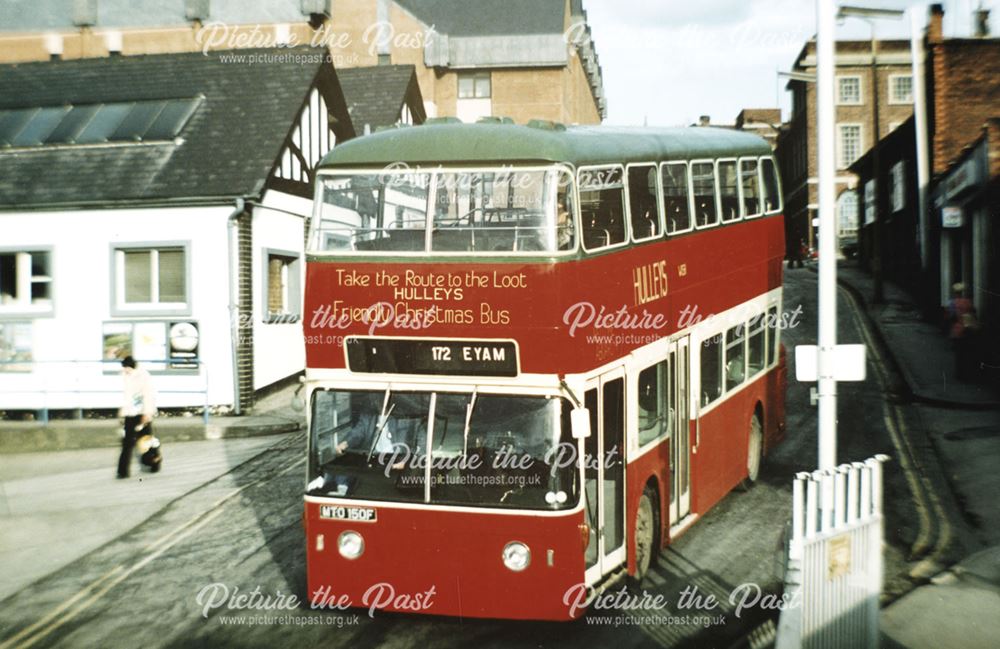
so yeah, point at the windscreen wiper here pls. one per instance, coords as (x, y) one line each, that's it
(468, 421)
(383, 419)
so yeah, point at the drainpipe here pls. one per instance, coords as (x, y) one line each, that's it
(232, 225)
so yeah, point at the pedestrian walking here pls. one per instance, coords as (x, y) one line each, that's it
(964, 330)
(138, 408)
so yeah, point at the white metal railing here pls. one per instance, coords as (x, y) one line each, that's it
(77, 385)
(835, 558)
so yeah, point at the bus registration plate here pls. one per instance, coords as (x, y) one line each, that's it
(356, 514)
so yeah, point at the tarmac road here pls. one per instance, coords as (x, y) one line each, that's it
(243, 531)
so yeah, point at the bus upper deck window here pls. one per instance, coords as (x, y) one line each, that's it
(703, 189)
(750, 186)
(602, 207)
(729, 191)
(643, 203)
(770, 195)
(509, 210)
(674, 178)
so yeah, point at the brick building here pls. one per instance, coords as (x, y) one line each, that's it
(963, 97)
(765, 122)
(855, 128)
(520, 58)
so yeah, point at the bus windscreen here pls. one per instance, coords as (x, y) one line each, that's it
(494, 450)
(498, 211)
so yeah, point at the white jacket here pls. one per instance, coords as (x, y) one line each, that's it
(138, 398)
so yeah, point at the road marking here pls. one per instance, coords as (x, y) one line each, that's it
(115, 576)
(918, 483)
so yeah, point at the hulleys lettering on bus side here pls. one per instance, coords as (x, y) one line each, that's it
(650, 282)
(354, 514)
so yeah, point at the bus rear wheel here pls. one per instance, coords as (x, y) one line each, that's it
(647, 522)
(755, 451)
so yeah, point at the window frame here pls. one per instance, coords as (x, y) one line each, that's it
(474, 75)
(760, 198)
(741, 327)
(891, 94)
(659, 201)
(668, 423)
(294, 306)
(777, 184)
(25, 309)
(316, 219)
(718, 191)
(715, 176)
(119, 308)
(861, 96)
(690, 197)
(625, 207)
(840, 143)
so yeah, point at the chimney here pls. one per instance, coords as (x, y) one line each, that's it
(113, 41)
(981, 27)
(935, 31)
(705, 120)
(84, 13)
(54, 46)
(197, 10)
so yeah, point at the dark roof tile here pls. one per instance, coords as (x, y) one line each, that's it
(227, 148)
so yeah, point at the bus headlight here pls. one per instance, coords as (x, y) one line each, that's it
(516, 556)
(350, 544)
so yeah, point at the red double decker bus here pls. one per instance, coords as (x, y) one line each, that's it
(535, 355)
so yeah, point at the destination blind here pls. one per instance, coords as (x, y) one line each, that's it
(428, 356)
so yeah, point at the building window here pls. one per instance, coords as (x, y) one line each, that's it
(282, 294)
(25, 281)
(847, 214)
(901, 89)
(849, 144)
(849, 90)
(150, 279)
(474, 85)
(897, 186)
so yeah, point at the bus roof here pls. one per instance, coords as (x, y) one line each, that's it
(503, 144)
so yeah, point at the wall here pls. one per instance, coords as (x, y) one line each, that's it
(279, 349)
(966, 89)
(81, 271)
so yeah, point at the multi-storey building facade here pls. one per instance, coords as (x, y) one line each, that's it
(864, 79)
(524, 59)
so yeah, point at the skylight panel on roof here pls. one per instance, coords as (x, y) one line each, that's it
(127, 121)
(40, 126)
(103, 124)
(71, 125)
(171, 120)
(12, 122)
(138, 120)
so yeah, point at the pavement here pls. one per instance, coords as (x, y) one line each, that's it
(960, 606)
(272, 415)
(45, 524)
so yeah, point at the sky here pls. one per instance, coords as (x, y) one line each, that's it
(666, 62)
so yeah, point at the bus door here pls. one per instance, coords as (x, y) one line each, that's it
(605, 475)
(680, 441)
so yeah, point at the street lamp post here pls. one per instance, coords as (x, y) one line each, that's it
(869, 15)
